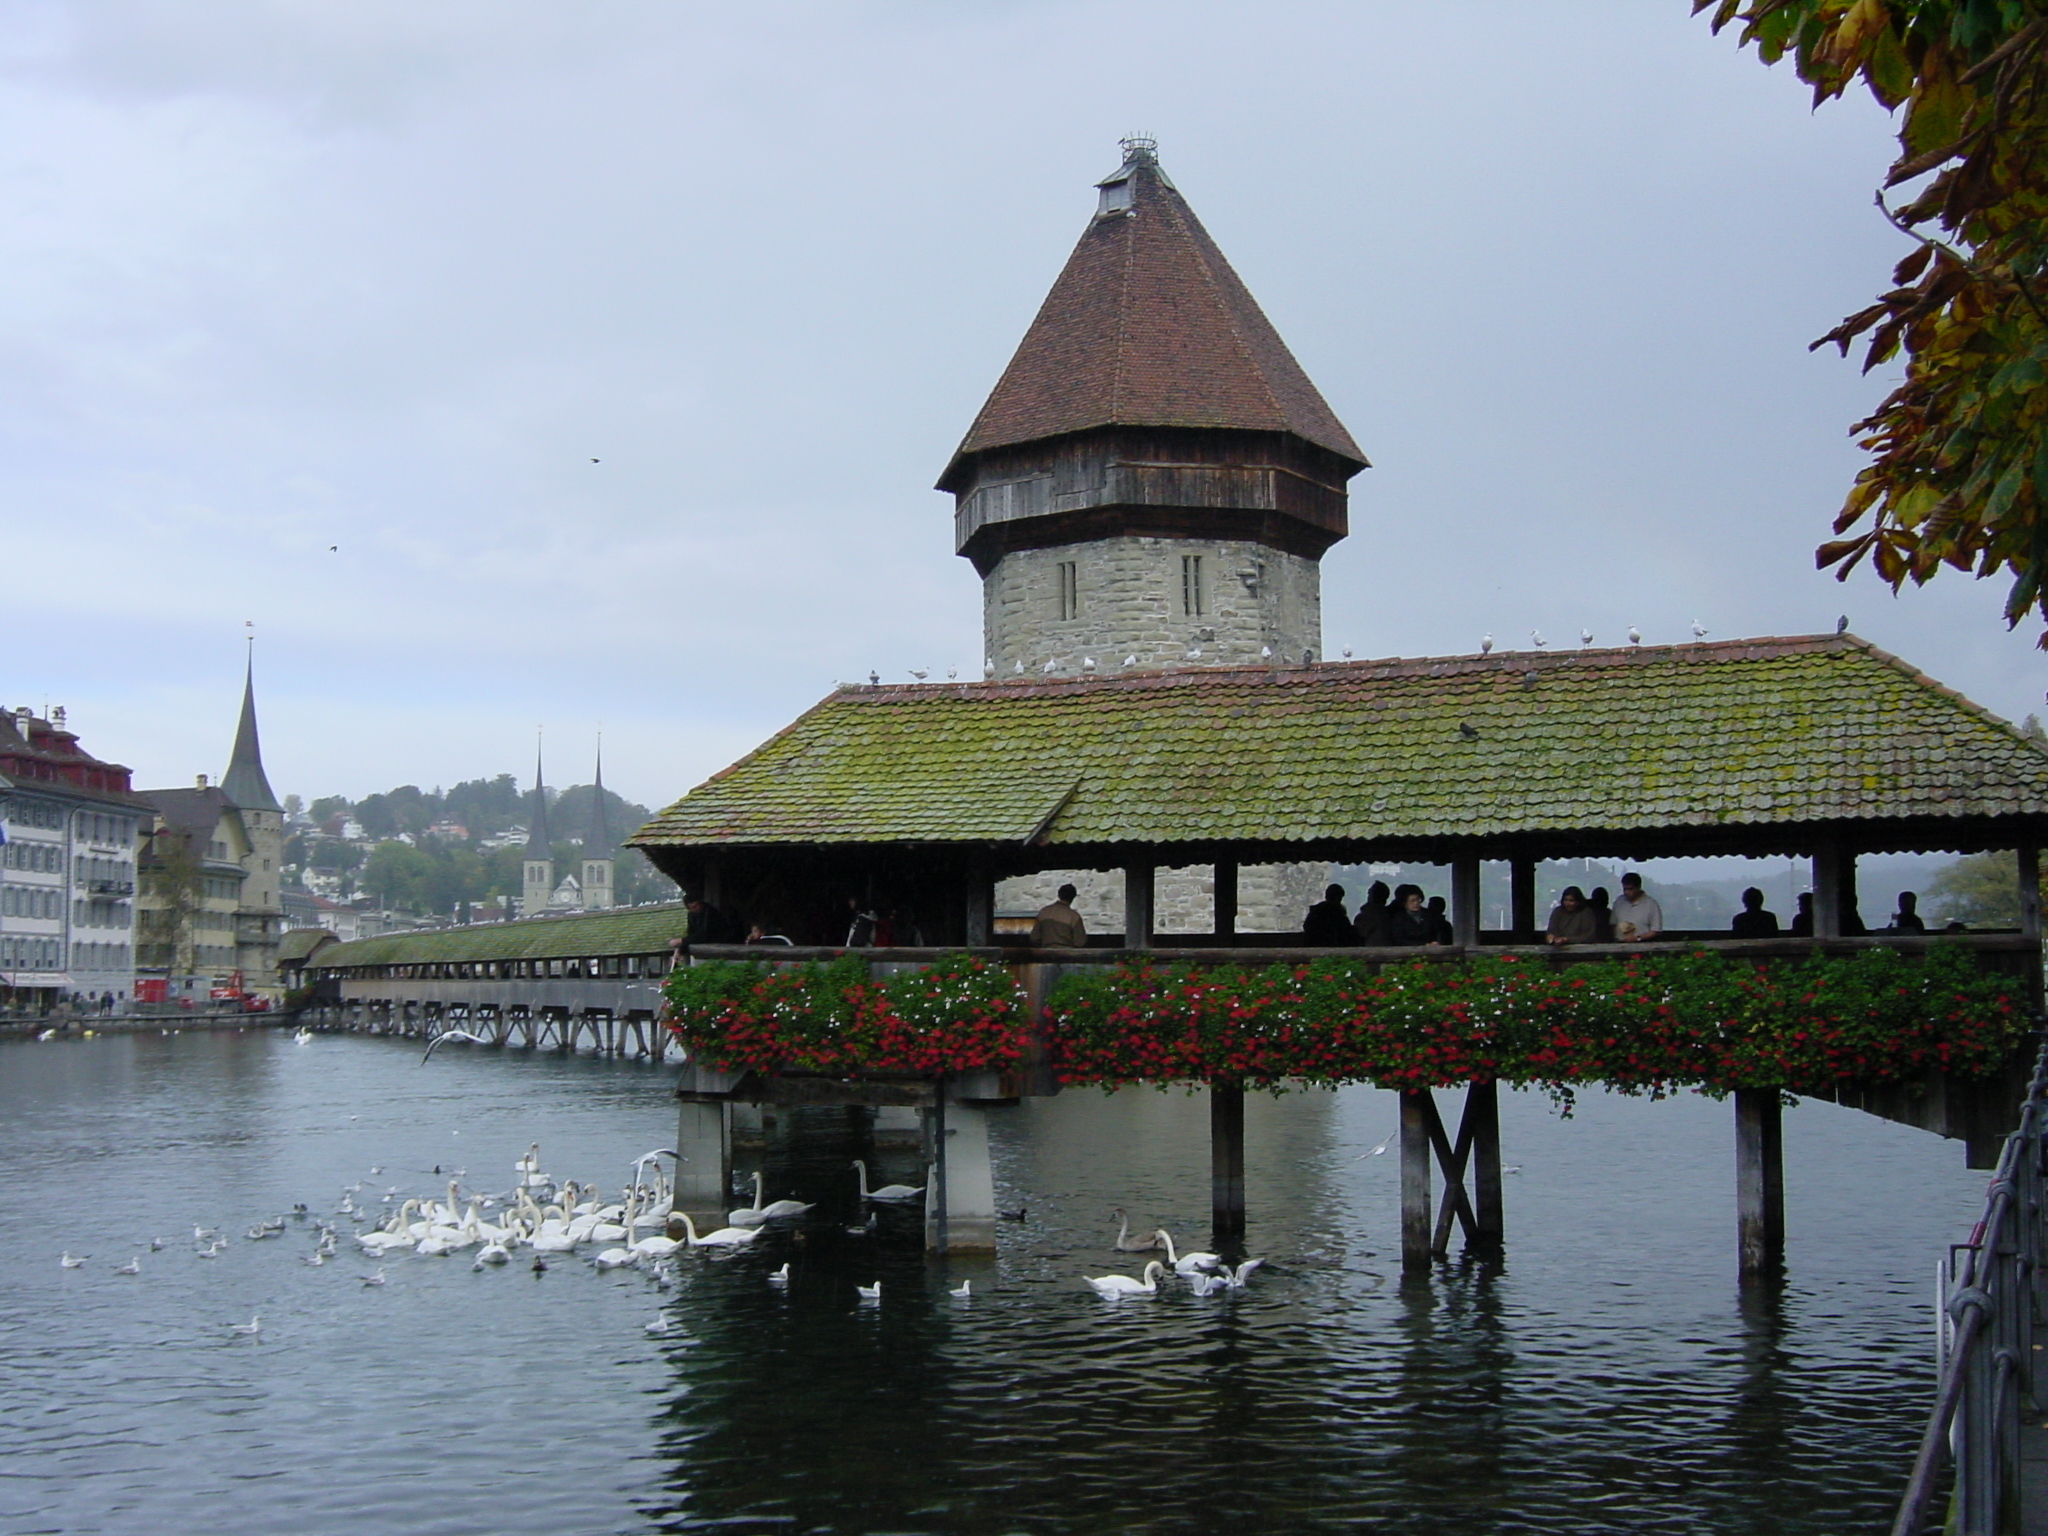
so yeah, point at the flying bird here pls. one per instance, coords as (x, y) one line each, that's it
(333, 549)
(452, 1034)
(593, 461)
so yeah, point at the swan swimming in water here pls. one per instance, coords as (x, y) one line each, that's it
(1188, 1263)
(870, 1292)
(753, 1215)
(1144, 1242)
(721, 1237)
(887, 1191)
(1115, 1286)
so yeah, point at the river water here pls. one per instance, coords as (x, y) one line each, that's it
(1611, 1376)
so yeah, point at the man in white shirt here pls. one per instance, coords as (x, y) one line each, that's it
(1636, 917)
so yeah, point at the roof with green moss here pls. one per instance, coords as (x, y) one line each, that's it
(1725, 735)
(625, 931)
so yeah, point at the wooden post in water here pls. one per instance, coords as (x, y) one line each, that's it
(1415, 1151)
(1226, 1162)
(1759, 1183)
(1482, 1111)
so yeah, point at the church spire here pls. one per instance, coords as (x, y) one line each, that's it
(537, 841)
(599, 838)
(245, 783)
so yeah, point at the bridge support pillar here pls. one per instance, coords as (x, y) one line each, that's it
(960, 1189)
(1226, 1164)
(704, 1170)
(1759, 1183)
(1418, 1114)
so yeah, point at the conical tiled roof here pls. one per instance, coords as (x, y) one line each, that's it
(1148, 326)
(245, 783)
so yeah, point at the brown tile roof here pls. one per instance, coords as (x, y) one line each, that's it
(1148, 326)
(1687, 739)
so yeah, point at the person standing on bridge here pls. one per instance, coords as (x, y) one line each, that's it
(1571, 920)
(1328, 925)
(1753, 921)
(1058, 925)
(1636, 917)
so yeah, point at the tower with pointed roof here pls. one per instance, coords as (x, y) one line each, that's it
(1152, 483)
(538, 882)
(259, 916)
(597, 846)
(1154, 479)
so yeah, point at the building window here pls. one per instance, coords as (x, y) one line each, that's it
(1191, 586)
(1070, 590)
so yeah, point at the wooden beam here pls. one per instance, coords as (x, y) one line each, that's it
(1465, 900)
(1418, 1109)
(1522, 900)
(979, 896)
(1482, 1112)
(1759, 1183)
(2029, 857)
(1226, 1163)
(1226, 898)
(1138, 906)
(1828, 895)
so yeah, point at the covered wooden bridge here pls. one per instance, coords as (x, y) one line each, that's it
(1820, 748)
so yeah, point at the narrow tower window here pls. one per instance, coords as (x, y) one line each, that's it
(1191, 586)
(1070, 590)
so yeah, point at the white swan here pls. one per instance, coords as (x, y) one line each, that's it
(303, 1037)
(1188, 1263)
(659, 1247)
(1144, 1242)
(753, 1215)
(887, 1191)
(721, 1237)
(614, 1258)
(1114, 1286)
(494, 1252)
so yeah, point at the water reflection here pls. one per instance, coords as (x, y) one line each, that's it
(1611, 1375)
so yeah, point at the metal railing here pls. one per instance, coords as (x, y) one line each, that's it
(1985, 1345)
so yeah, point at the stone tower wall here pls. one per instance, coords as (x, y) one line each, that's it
(1129, 597)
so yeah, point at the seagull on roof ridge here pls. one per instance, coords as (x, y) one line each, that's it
(1266, 651)
(1537, 636)
(1634, 636)
(1347, 653)
(1020, 666)
(1699, 630)
(951, 673)
(1195, 654)
(1585, 637)
(1485, 645)
(874, 678)
(1131, 660)
(1087, 663)
(1842, 625)
(920, 673)
(1051, 666)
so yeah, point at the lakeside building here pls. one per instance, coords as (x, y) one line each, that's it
(210, 910)
(68, 827)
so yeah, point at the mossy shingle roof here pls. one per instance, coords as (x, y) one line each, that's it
(1745, 733)
(630, 931)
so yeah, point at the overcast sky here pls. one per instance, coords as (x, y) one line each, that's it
(280, 275)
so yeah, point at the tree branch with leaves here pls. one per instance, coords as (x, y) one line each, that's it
(1958, 476)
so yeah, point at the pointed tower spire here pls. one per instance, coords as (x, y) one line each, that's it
(537, 870)
(537, 840)
(245, 782)
(599, 836)
(597, 845)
